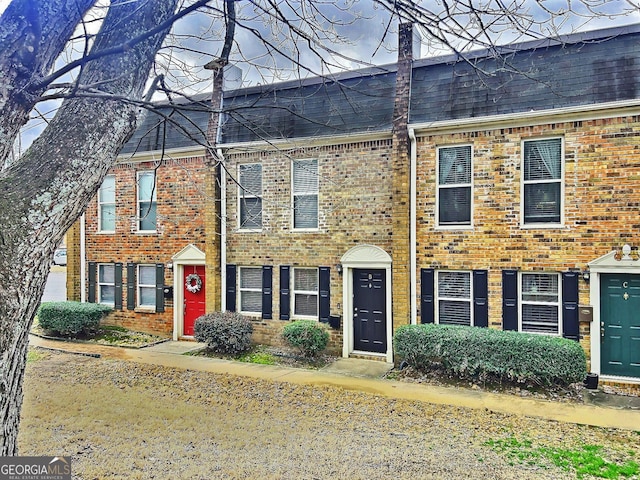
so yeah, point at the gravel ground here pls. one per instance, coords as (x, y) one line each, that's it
(125, 420)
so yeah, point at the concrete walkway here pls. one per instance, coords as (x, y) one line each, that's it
(363, 376)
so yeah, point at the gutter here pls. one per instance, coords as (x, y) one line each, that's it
(83, 260)
(533, 117)
(223, 233)
(413, 180)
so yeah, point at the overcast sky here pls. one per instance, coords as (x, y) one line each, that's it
(367, 37)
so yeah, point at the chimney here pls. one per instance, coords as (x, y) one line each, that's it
(408, 48)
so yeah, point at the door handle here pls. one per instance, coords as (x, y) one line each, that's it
(601, 330)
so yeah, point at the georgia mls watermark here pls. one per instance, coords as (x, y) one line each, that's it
(35, 468)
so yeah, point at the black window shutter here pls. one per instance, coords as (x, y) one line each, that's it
(267, 295)
(570, 322)
(131, 286)
(324, 306)
(91, 297)
(285, 299)
(231, 288)
(118, 286)
(427, 278)
(510, 300)
(159, 287)
(480, 298)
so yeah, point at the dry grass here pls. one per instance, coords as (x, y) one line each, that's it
(128, 420)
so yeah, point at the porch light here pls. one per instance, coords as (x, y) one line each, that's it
(586, 276)
(339, 268)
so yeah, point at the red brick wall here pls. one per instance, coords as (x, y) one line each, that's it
(180, 221)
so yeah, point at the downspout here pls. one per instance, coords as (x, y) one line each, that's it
(413, 264)
(223, 232)
(83, 260)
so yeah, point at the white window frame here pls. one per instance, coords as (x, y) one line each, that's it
(247, 194)
(440, 187)
(242, 290)
(314, 192)
(102, 284)
(140, 286)
(102, 203)
(295, 292)
(523, 182)
(522, 302)
(153, 200)
(440, 298)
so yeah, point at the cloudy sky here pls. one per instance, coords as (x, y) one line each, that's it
(350, 34)
(361, 32)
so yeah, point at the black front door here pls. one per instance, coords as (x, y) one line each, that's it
(369, 310)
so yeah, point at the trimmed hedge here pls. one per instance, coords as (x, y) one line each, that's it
(224, 332)
(482, 353)
(308, 336)
(71, 318)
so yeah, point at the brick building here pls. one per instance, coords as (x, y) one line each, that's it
(493, 191)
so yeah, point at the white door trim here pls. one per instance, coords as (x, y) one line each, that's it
(609, 263)
(189, 255)
(366, 257)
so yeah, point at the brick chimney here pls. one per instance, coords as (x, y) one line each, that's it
(408, 48)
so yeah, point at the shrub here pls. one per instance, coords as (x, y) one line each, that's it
(481, 353)
(71, 318)
(308, 336)
(224, 332)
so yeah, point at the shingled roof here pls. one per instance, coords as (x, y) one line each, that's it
(575, 70)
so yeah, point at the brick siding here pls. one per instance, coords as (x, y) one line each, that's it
(355, 207)
(180, 221)
(602, 169)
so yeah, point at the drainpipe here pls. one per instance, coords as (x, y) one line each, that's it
(413, 264)
(83, 260)
(223, 233)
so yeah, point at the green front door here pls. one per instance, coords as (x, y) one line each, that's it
(620, 325)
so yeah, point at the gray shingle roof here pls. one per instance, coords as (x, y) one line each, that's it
(357, 104)
(576, 70)
(601, 67)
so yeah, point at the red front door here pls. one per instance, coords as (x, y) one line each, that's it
(194, 298)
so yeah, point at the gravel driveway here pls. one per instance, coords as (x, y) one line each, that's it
(121, 419)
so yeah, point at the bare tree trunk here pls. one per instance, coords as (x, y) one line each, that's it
(47, 189)
(33, 33)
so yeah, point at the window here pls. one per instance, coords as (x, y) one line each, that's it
(454, 185)
(147, 202)
(542, 181)
(305, 194)
(305, 292)
(454, 298)
(250, 196)
(250, 289)
(147, 286)
(106, 283)
(107, 204)
(540, 303)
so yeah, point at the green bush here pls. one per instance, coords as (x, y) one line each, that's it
(224, 332)
(71, 318)
(308, 336)
(482, 353)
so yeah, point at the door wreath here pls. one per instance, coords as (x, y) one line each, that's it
(191, 286)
